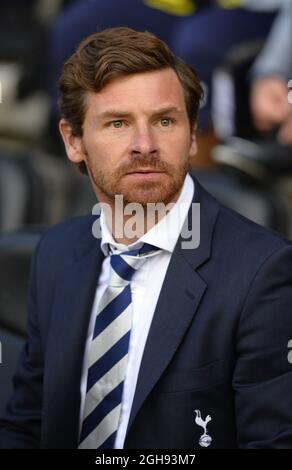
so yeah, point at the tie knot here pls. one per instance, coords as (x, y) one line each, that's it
(125, 264)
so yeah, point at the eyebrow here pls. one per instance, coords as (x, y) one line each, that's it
(115, 113)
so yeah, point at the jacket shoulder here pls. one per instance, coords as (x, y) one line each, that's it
(247, 237)
(61, 241)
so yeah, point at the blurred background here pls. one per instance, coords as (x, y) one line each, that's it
(242, 51)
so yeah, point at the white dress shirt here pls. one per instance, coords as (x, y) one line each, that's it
(146, 285)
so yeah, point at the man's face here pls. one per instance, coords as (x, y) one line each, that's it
(137, 140)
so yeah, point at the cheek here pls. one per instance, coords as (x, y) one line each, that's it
(104, 159)
(177, 147)
(98, 151)
(107, 143)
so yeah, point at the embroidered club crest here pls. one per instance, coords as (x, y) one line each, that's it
(205, 440)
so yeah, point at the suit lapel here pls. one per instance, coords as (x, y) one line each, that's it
(180, 296)
(76, 286)
(174, 312)
(178, 302)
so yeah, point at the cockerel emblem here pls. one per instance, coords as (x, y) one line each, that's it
(205, 440)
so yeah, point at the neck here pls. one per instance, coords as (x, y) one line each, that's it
(128, 223)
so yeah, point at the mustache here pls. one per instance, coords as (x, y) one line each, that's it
(140, 162)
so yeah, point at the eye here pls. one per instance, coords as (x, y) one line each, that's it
(165, 122)
(117, 124)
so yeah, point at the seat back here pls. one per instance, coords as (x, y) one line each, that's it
(10, 347)
(15, 256)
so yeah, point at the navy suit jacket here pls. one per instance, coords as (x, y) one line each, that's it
(217, 343)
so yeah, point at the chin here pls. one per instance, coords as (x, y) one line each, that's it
(149, 196)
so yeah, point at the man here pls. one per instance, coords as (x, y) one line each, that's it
(201, 32)
(272, 71)
(190, 349)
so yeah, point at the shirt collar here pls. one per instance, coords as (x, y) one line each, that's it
(164, 234)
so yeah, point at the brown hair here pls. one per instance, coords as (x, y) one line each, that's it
(114, 53)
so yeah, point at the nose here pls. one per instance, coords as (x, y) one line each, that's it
(143, 141)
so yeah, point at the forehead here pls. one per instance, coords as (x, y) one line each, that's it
(142, 91)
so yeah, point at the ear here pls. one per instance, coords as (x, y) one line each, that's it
(73, 144)
(193, 143)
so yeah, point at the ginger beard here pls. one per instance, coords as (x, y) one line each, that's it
(162, 187)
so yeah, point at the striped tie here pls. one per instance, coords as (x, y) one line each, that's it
(109, 352)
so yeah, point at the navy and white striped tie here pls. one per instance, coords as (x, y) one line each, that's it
(109, 352)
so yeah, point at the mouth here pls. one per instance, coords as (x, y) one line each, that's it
(144, 175)
(144, 171)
